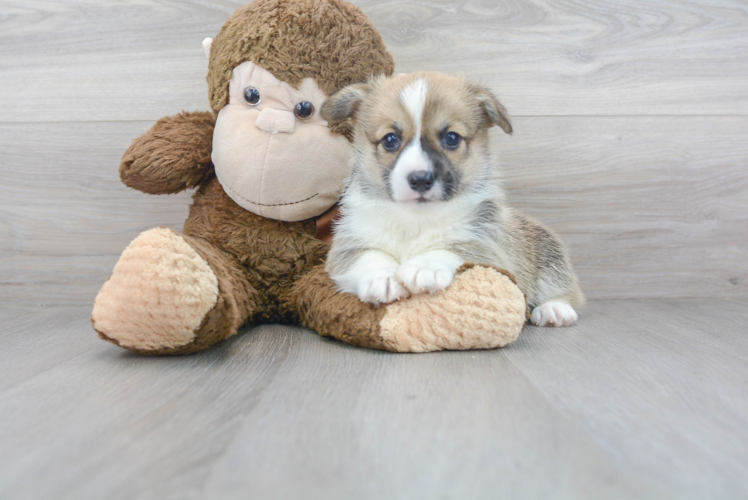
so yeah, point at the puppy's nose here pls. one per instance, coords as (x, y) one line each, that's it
(273, 120)
(421, 180)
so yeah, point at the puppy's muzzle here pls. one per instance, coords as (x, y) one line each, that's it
(421, 180)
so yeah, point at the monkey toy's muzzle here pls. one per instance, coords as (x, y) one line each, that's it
(279, 167)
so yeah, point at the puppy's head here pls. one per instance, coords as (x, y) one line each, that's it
(419, 137)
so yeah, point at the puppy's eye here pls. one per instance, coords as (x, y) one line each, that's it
(452, 140)
(304, 110)
(252, 96)
(390, 142)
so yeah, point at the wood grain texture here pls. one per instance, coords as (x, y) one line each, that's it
(649, 207)
(630, 122)
(82, 60)
(65, 217)
(630, 125)
(622, 405)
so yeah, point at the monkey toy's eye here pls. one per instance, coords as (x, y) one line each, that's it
(304, 110)
(390, 142)
(252, 96)
(452, 140)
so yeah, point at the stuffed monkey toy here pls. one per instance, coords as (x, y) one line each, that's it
(267, 169)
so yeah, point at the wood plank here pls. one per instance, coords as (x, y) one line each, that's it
(626, 404)
(143, 60)
(647, 378)
(569, 57)
(111, 61)
(649, 207)
(347, 424)
(337, 418)
(111, 424)
(65, 216)
(35, 340)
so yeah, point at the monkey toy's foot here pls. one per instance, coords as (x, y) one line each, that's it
(162, 297)
(483, 308)
(157, 296)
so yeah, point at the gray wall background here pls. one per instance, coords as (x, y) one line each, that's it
(631, 129)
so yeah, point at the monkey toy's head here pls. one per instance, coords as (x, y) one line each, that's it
(271, 67)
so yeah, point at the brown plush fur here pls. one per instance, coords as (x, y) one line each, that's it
(171, 157)
(332, 42)
(272, 254)
(325, 223)
(482, 309)
(337, 315)
(266, 270)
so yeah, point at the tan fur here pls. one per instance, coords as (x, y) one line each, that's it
(502, 236)
(482, 309)
(378, 111)
(158, 295)
(531, 240)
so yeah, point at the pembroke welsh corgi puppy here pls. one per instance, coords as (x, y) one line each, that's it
(424, 198)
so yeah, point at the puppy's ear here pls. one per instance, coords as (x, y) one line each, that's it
(494, 110)
(344, 103)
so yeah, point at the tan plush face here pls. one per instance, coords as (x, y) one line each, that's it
(420, 137)
(273, 153)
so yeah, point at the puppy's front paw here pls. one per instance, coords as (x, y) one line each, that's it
(421, 276)
(381, 289)
(553, 313)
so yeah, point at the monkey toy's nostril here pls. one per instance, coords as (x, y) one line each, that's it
(421, 180)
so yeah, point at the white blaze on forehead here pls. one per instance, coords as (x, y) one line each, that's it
(412, 158)
(414, 98)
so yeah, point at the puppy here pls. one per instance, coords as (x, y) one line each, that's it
(424, 198)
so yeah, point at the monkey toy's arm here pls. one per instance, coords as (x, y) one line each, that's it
(172, 156)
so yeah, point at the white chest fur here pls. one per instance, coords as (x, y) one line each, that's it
(406, 230)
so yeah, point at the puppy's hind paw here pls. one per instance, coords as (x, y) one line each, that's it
(553, 313)
(381, 290)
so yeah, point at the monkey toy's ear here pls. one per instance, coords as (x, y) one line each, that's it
(344, 103)
(207, 43)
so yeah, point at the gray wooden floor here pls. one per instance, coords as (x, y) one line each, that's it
(643, 399)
